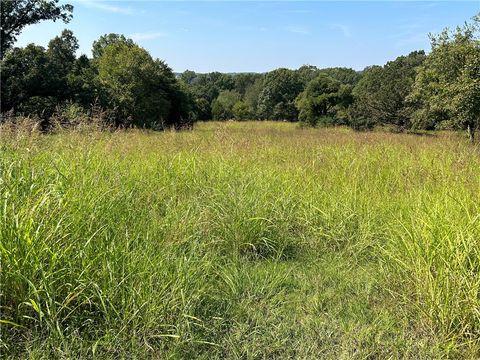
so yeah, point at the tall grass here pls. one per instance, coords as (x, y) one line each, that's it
(239, 240)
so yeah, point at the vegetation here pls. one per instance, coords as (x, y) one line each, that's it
(16, 15)
(243, 240)
(380, 95)
(239, 240)
(447, 87)
(436, 91)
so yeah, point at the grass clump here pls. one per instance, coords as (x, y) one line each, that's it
(239, 240)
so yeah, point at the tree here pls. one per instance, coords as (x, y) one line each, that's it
(380, 95)
(143, 91)
(277, 98)
(109, 39)
(447, 87)
(83, 84)
(188, 76)
(222, 106)
(61, 54)
(62, 49)
(307, 73)
(203, 109)
(17, 14)
(344, 75)
(241, 111)
(243, 81)
(27, 73)
(252, 94)
(322, 97)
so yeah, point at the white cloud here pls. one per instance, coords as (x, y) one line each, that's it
(344, 29)
(147, 36)
(108, 7)
(298, 30)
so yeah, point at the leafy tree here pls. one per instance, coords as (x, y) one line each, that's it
(15, 15)
(26, 73)
(243, 81)
(241, 111)
(108, 39)
(307, 73)
(344, 75)
(188, 76)
(84, 85)
(322, 97)
(203, 109)
(205, 89)
(222, 107)
(277, 98)
(252, 94)
(144, 91)
(380, 95)
(61, 54)
(62, 49)
(447, 87)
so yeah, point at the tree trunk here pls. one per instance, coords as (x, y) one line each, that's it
(471, 133)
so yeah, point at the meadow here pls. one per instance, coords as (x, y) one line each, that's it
(253, 240)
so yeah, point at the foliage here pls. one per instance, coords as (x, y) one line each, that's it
(380, 95)
(143, 91)
(241, 111)
(17, 14)
(29, 81)
(276, 101)
(322, 97)
(222, 106)
(447, 87)
(108, 39)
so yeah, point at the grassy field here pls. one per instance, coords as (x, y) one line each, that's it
(240, 241)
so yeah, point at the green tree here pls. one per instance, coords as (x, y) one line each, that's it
(243, 81)
(143, 91)
(241, 111)
(28, 73)
(307, 73)
(277, 98)
(17, 14)
(222, 106)
(108, 39)
(188, 76)
(380, 95)
(447, 87)
(202, 109)
(344, 75)
(84, 85)
(61, 54)
(252, 95)
(322, 97)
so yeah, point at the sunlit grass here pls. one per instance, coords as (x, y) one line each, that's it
(239, 240)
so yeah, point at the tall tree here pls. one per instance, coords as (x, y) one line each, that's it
(108, 39)
(222, 106)
(15, 15)
(380, 95)
(447, 87)
(143, 90)
(277, 98)
(322, 97)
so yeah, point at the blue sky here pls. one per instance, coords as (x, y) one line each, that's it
(259, 36)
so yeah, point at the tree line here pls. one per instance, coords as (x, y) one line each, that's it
(438, 90)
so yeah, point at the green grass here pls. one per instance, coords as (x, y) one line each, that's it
(239, 241)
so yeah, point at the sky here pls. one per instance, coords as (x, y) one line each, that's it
(256, 36)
